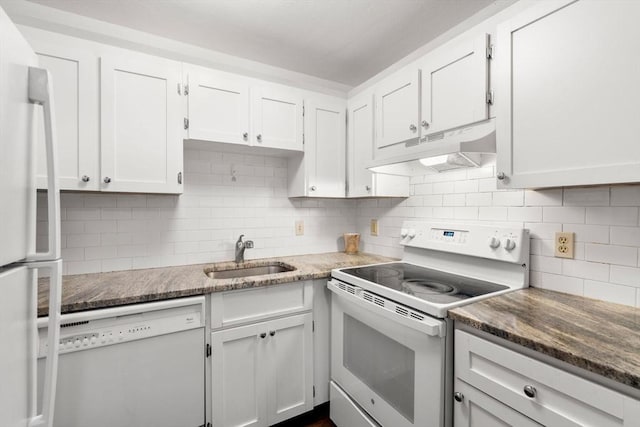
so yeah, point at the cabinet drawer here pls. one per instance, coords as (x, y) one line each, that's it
(559, 398)
(476, 409)
(249, 305)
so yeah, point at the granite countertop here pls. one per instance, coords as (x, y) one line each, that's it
(598, 336)
(100, 290)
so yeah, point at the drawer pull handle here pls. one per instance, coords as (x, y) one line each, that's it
(262, 335)
(530, 391)
(458, 397)
(272, 333)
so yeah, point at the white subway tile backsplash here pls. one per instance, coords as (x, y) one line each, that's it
(609, 292)
(539, 230)
(625, 195)
(546, 264)
(585, 269)
(508, 198)
(591, 196)
(626, 236)
(442, 187)
(588, 233)
(571, 215)
(612, 216)
(528, 214)
(561, 283)
(610, 254)
(551, 197)
(83, 240)
(80, 214)
(479, 199)
(492, 213)
(468, 186)
(629, 276)
(454, 200)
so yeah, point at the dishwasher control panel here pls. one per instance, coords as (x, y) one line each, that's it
(96, 331)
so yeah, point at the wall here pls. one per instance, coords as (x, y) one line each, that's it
(605, 221)
(107, 232)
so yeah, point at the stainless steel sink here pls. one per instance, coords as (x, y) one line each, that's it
(232, 273)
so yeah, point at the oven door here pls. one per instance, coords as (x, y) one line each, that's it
(387, 357)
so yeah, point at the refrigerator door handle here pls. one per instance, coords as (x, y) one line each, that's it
(45, 419)
(41, 92)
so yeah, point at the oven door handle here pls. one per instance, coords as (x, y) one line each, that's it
(428, 325)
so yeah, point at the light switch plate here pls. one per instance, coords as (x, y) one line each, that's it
(299, 228)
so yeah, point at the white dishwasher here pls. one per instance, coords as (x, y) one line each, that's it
(137, 365)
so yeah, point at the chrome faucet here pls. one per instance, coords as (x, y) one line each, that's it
(240, 247)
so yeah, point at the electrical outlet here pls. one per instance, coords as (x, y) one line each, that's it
(299, 228)
(563, 245)
(374, 227)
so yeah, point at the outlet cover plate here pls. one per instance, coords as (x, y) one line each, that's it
(299, 228)
(374, 227)
(563, 245)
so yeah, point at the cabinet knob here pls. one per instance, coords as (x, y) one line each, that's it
(413, 128)
(85, 178)
(259, 137)
(272, 333)
(425, 124)
(245, 135)
(107, 180)
(530, 391)
(501, 176)
(263, 335)
(458, 397)
(313, 188)
(367, 187)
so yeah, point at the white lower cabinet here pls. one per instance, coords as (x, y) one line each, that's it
(477, 409)
(497, 382)
(262, 373)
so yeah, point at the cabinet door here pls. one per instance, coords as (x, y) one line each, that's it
(324, 156)
(277, 118)
(290, 367)
(142, 124)
(455, 80)
(218, 106)
(362, 182)
(568, 95)
(397, 108)
(238, 377)
(477, 409)
(75, 92)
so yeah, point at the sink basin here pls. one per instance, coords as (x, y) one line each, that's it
(238, 272)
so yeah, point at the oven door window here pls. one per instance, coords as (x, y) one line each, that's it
(383, 364)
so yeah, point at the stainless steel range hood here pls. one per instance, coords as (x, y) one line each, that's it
(460, 148)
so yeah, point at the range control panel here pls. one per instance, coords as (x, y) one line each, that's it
(499, 243)
(78, 335)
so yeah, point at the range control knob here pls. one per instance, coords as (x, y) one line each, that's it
(509, 244)
(412, 233)
(404, 232)
(493, 242)
(76, 343)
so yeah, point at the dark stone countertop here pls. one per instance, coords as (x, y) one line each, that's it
(100, 290)
(598, 336)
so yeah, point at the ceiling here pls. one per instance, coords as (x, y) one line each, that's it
(346, 41)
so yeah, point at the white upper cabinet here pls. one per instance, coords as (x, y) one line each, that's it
(277, 118)
(321, 171)
(569, 95)
(455, 85)
(398, 108)
(75, 90)
(141, 128)
(360, 145)
(218, 106)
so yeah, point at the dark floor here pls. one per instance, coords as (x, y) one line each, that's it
(319, 417)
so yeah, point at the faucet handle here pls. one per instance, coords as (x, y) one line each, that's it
(248, 244)
(240, 238)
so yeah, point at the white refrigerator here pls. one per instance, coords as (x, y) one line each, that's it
(23, 89)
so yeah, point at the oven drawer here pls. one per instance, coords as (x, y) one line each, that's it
(344, 412)
(542, 392)
(243, 306)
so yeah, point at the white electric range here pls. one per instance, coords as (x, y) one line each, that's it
(391, 343)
